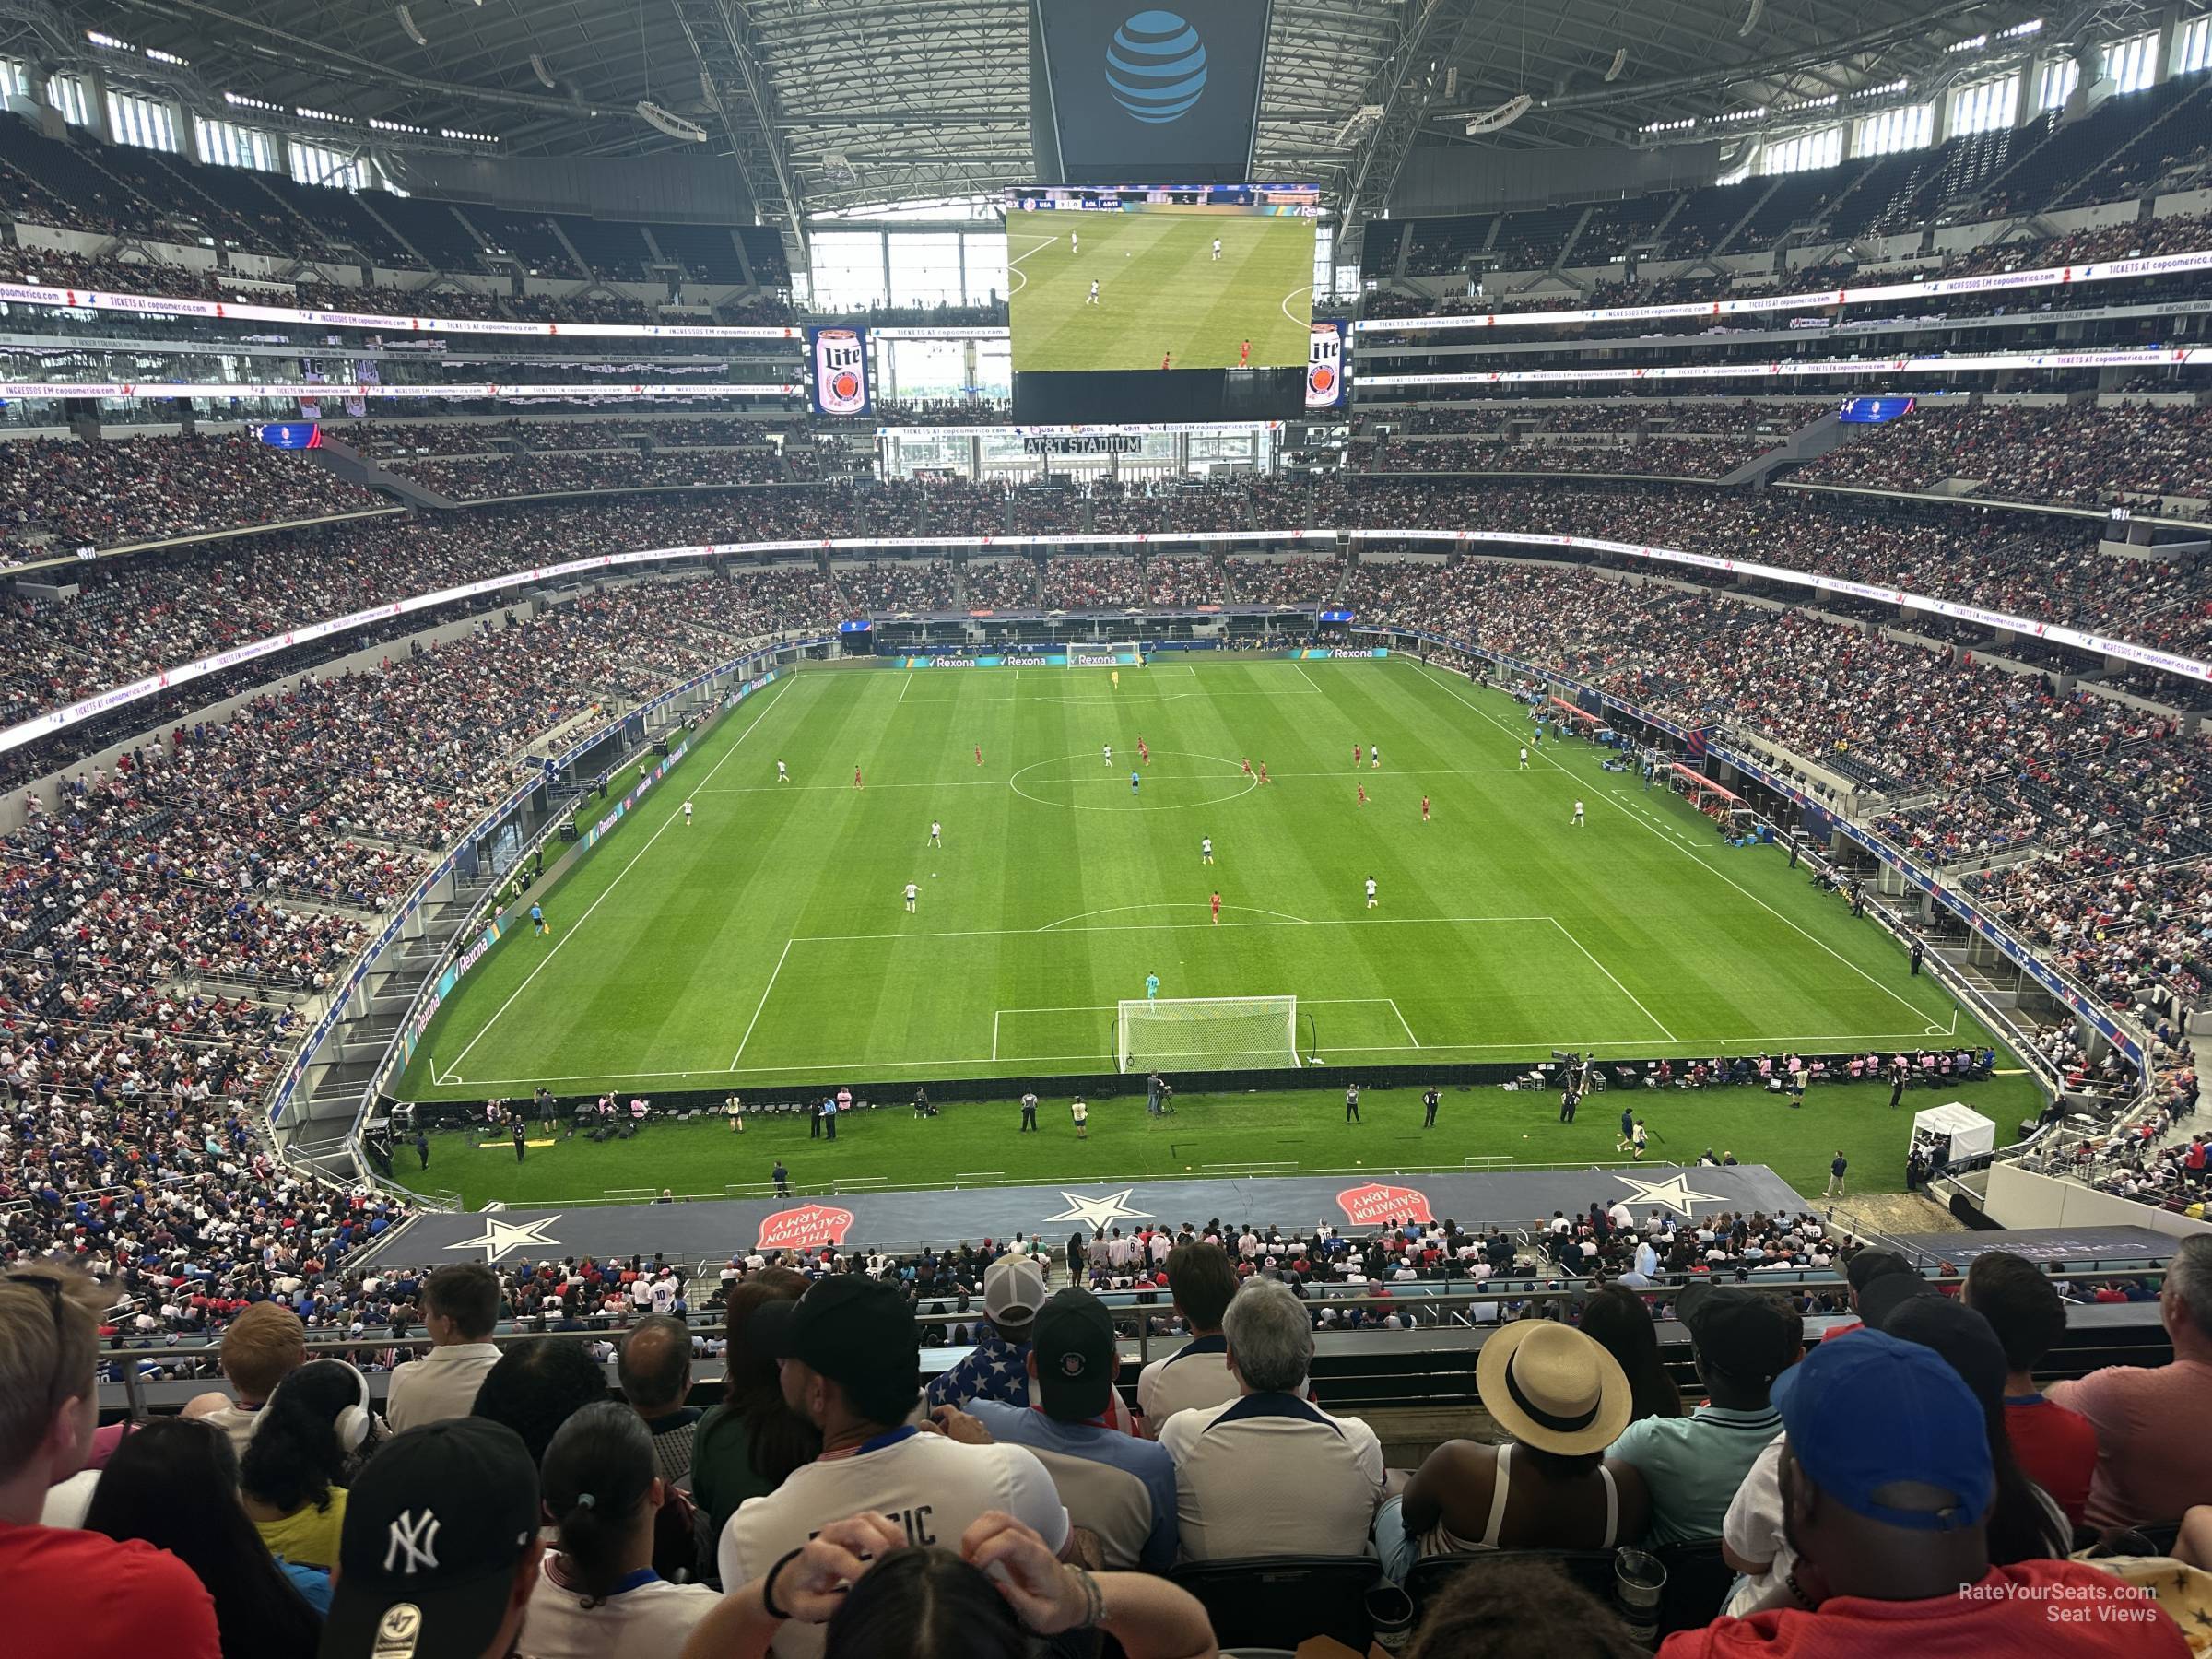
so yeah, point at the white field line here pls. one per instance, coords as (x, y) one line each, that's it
(1402, 1020)
(1445, 681)
(762, 1003)
(1617, 984)
(577, 926)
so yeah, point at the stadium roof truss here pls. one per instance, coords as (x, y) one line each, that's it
(826, 104)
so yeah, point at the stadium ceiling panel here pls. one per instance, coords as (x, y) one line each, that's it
(822, 104)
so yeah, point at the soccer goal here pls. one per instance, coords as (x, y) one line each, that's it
(1207, 1033)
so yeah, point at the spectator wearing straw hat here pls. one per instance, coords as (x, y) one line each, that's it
(1562, 1400)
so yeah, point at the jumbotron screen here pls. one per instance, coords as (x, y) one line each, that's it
(1160, 302)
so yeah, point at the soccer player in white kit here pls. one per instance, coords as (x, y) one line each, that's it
(937, 833)
(782, 773)
(1524, 757)
(1205, 849)
(1576, 822)
(1216, 247)
(1072, 248)
(1370, 892)
(1094, 293)
(1109, 752)
(912, 893)
(687, 815)
(1374, 756)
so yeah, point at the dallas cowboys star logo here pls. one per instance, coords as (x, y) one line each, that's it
(1674, 1192)
(1098, 1214)
(500, 1237)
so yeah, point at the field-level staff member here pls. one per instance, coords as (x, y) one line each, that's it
(1028, 1112)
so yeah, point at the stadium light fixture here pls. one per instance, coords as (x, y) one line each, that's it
(409, 27)
(1621, 62)
(545, 75)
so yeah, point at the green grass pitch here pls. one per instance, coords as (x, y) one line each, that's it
(767, 948)
(1160, 289)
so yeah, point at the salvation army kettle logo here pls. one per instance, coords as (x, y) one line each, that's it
(1156, 66)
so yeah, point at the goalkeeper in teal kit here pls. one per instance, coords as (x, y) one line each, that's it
(1151, 987)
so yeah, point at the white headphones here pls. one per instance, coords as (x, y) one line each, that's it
(354, 1423)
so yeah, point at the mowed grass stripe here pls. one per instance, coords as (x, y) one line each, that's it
(669, 977)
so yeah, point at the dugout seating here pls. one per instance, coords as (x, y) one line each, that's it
(1280, 1601)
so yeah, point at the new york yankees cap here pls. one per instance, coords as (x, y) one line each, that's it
(435, 1524)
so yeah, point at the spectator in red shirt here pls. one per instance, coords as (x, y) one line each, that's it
(74, 1595)
(2057, 1448)
(1886, 1477)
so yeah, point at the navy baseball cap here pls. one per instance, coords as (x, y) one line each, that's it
(849, 1328)
(436, 1524)
(1868, 1412)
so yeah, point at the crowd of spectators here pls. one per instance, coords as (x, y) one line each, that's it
(1182, 580)
(58, 495)
(2070, 454)
(894, 584)
(1303, 580)
(1074, 583)
(1007, 583)
(1899, 1479)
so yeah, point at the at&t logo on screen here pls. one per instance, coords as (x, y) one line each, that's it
(1156, 66)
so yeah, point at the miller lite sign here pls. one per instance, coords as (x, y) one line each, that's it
(840, 371)
(1324, 368)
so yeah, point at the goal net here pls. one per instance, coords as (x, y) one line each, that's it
(1207, 1033)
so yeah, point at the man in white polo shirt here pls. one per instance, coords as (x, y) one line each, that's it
(460, 1307)
(851, 1365)
(1201, 1281)
(1271, 1473)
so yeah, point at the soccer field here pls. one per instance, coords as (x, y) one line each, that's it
(1160, 289)
(767, 946)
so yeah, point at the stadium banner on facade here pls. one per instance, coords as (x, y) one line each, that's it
(2154, 357)
(1317, 654)
(1136, 91)
(838, 358)
(2110, 270)
(1104, 659)
(1324, 368)
(360, 391)
(1049, 659)
(1213, 428)
(1088, 443)
(232, 311)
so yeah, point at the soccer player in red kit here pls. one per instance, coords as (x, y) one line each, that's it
(1143, 753)
(1424, 809)
(1244, 356)
(1216, 910)
(979, 753)
(856, 783)
(1355, 754)
(1362, 794)
(1248, 766)
(1264, 771)
(1167, 360)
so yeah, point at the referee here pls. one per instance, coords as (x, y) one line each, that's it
(1429, 1102)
